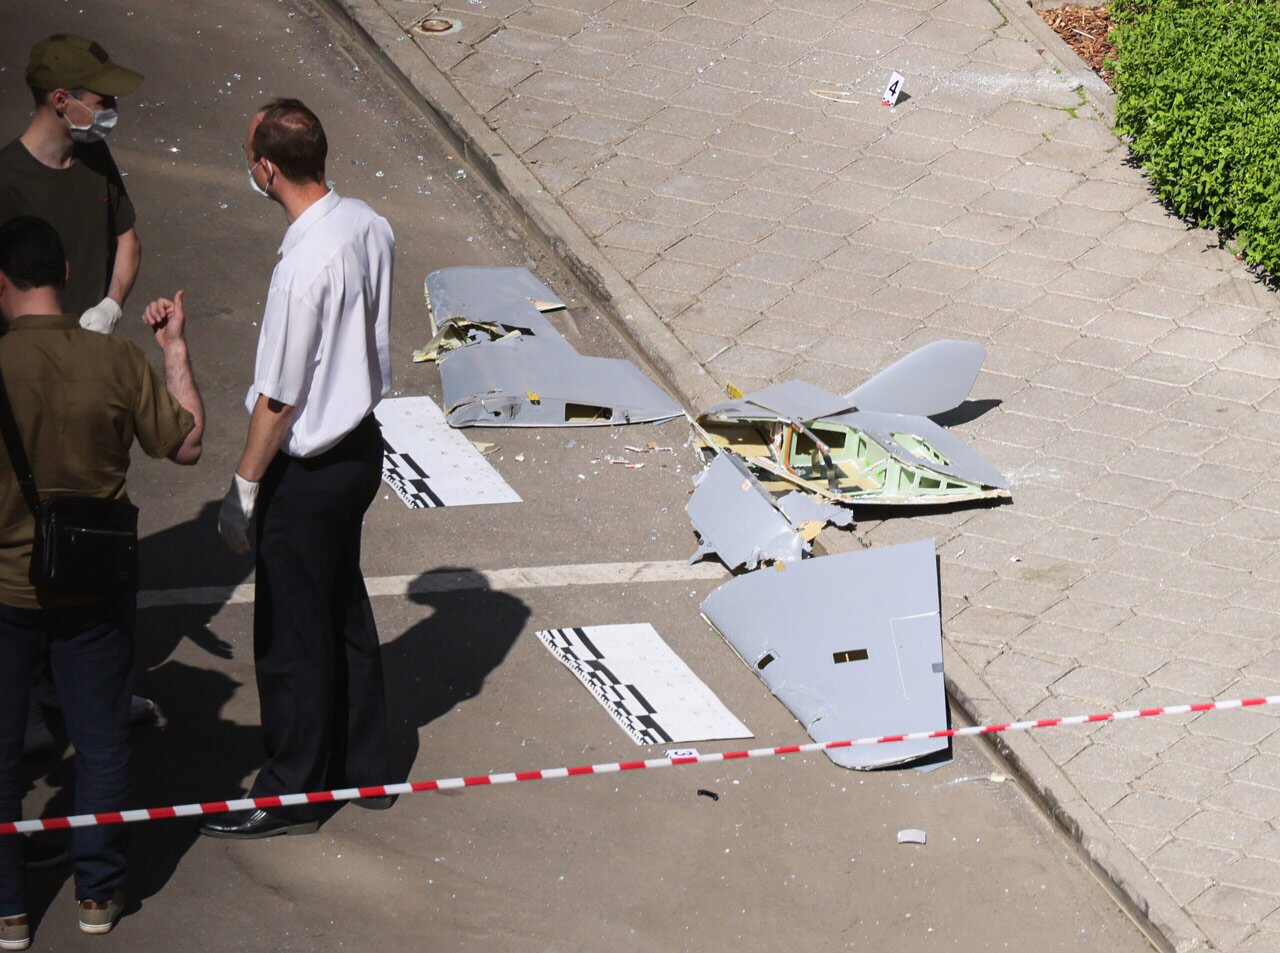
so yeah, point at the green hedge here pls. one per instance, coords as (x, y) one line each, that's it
(1198, 93)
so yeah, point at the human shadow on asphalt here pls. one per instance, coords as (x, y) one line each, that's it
(440, 662)
(194, 754)
(187, 555)
(967, 411)
(197, 754)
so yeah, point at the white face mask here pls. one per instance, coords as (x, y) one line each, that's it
(254, 185)
(101, 122)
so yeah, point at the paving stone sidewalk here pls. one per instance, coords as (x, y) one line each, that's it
(1131, 378)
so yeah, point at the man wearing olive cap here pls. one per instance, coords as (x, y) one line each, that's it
(60, 170)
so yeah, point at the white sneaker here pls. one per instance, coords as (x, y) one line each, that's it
(39, 739)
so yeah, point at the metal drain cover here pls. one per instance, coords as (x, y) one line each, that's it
(438, 26)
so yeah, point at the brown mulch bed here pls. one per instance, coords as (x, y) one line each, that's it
(1087, 31)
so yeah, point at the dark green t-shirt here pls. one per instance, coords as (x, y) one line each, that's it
(87, 204)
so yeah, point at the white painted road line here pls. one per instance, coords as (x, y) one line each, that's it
(531, 577)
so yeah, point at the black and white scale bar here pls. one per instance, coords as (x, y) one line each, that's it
(643, 684)
(427, 463)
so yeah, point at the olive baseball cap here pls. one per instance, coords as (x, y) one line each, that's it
(67, 61)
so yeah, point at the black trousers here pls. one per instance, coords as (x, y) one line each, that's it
(91, 650)
(319, 666)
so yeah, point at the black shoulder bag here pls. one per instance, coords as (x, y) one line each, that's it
(84, 545)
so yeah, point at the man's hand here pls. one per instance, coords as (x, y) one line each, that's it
(102, 317)
(236, 512)
(167, 319)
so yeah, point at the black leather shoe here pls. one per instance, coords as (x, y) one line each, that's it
(380, 803)
(249, 824)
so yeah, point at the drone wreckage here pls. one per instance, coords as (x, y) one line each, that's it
(784, 462)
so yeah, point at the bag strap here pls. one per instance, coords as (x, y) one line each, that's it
(17, 455)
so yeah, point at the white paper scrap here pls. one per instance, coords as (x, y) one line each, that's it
(643, 684)
(428, 463)
(912, 835)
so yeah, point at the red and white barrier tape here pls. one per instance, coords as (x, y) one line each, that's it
(546, 774)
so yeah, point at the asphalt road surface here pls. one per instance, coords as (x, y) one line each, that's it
(796, 854)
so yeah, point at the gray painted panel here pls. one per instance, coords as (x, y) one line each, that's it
(501, 296)
(737, 519)
(488, 384)
(804, 508)
(790, 400)
(930, 380)
(877, 608)
(798, 400)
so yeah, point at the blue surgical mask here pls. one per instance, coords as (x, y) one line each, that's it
(101, 122)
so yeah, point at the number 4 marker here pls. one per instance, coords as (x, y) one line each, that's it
(894, 89)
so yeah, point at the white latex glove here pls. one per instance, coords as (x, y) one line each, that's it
(236, 512)
(102, 317)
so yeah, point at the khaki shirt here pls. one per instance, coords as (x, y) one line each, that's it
(79, 398)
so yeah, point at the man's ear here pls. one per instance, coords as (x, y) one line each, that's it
(66, 272)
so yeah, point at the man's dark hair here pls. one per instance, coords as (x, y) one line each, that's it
(290, 137)
(31, 254)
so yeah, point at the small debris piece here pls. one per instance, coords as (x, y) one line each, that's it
(519, 458)
(995, 778)
(703, 792)
(911, 835)
(835, 96)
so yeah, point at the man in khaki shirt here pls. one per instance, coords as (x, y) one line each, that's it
(80, 400)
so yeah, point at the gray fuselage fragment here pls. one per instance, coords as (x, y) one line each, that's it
(535, 382)
(851, 644)
(738, 521)
(800, 508)
(930, 380)
(522, 372)
(886, 451)
(502, 297)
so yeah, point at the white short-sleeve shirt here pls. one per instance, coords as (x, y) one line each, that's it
(324, 344)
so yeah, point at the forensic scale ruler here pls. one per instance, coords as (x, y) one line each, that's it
(643, 684)
(428, 463)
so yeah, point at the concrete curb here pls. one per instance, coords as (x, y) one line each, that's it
(375, 31)
(1129, 882)
(421, 81)
(1098, 92)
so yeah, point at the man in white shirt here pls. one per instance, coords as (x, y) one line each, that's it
(311, 466)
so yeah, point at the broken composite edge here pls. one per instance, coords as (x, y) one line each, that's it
(470, 304)
(502, 364)
(737, 520)
(875, 444)
(851, 644)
